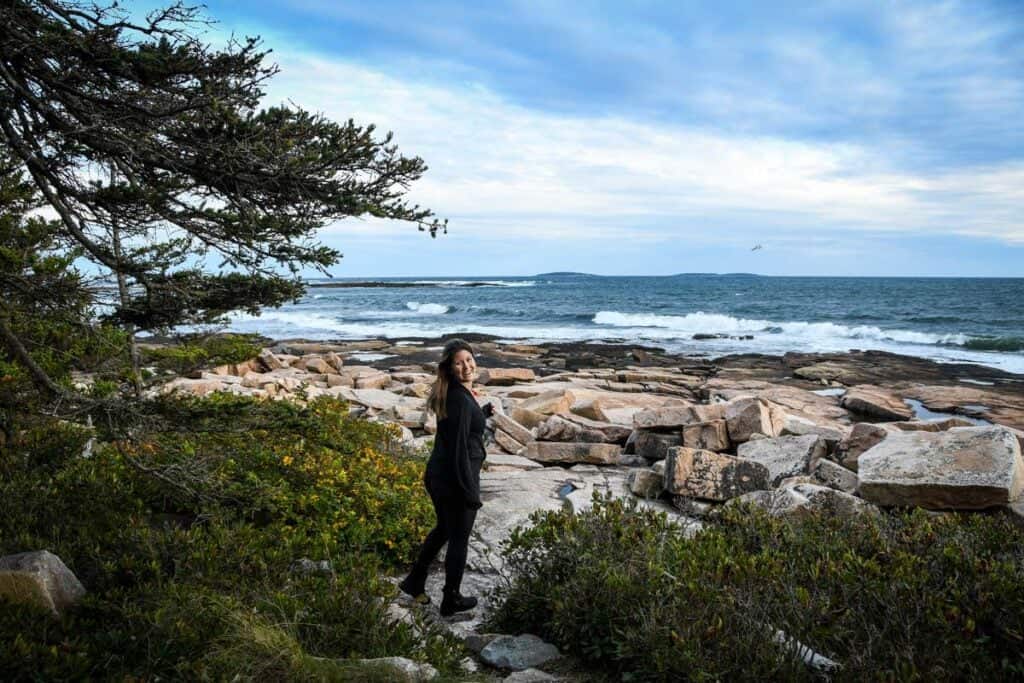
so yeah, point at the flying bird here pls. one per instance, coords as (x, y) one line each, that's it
(757, 246)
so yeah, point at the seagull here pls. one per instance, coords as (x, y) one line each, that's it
(757, 246)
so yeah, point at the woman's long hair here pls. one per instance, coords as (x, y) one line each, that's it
(438, 398)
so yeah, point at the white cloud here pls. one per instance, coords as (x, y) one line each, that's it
(509, 170)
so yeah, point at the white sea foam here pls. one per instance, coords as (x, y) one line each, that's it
(477, 283)
(715, 323)
(672, 332)
(427, 309)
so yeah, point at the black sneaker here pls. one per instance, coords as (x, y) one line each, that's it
(456, 602)
(415, 592)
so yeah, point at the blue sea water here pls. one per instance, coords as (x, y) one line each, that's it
(977, 320)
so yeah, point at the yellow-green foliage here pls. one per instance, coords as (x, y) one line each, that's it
(185, 537)
(900, 597)
(195, 351)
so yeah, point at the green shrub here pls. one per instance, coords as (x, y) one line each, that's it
(191, 352)
(185, 537)
(907, 596)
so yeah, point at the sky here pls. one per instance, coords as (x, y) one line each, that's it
(647, 138)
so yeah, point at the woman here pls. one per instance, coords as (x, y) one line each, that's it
(453, 476)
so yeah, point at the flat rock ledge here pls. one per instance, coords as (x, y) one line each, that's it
(964, 468)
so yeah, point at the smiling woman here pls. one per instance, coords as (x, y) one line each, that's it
(452, 477)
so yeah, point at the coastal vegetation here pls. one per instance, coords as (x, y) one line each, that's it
(908, 596)
(229, 537)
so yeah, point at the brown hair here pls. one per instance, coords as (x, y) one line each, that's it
(439, 392)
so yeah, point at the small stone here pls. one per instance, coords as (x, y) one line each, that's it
(646, 483)
(692, 506)
(403, 669)
(529, 676)
(518, 652)
(39, 578)
(304, 565)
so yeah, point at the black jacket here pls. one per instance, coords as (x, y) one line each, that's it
(454, 465)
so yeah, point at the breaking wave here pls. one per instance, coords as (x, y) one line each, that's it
(716, 323)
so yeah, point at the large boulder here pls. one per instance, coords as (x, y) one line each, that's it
(806, 498)
(550, 402)
(784, 456)
(593, 453)
(966, 468)
(591, 409)
(609, 432)
(655, 445)
(526, 417)
(801, 426)
(557, 428)
(317, 365)
(708, 436)
(835, 476)
(269, 360)
(669, 417)
(371, 380)
(39, 578)
(746, 416)
(505, 376)
(861, 438)
(507, 442)
(711, 476)
(513, 428)
(867, 399)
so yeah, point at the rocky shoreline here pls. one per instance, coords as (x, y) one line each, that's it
(850, 433)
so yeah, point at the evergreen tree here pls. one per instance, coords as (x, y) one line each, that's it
(163, 171)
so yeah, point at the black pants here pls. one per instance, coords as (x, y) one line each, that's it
(454, 523)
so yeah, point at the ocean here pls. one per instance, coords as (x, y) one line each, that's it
(977, 320)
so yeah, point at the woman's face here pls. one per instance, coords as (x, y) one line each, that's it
(463, 366)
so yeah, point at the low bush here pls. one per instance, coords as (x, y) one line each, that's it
(907, 597)
(186, 536)
(191, 352)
